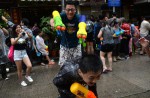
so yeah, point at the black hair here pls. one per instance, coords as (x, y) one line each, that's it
(36, 32)
(14, 33)
(90, 62)
(71, 3)
(25, 21)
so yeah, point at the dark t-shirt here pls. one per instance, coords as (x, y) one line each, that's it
(69, 37)
(21, 43)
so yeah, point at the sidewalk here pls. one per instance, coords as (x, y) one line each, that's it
(129, 79)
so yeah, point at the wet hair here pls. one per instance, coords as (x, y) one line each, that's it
(25, 21)
(13, 32)
(70, 3)
(90, 62)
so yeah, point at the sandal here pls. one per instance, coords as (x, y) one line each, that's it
(105, 70)
(51, 63)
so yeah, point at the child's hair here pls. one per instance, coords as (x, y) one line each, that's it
(37, 31)
(25, 21)
(90, 62)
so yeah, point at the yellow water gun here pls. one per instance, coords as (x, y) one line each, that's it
(80, 91)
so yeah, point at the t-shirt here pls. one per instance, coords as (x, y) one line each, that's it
(107, 35)
(69, 37)
(21, 43)
(40, 42)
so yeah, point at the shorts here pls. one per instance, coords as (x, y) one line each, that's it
(69, 54)
(89, 37)
(20, 54)
(44, 52)
(107, 48)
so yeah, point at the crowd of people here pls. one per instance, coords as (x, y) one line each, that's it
(113, 38)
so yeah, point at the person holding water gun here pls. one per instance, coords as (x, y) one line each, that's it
(77, 73)
(72, 27)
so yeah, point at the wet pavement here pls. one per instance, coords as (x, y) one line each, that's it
(129, 79)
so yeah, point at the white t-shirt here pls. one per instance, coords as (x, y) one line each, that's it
(40, 42)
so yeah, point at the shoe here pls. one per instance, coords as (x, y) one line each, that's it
(6, 78)
(105, 70)
(29, 78)
(114, 59)
(127, 57)
(119, 58)
(43, 64)
(23, 83)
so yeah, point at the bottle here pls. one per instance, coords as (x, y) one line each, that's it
(80, 91)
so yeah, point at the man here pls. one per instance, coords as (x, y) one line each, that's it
(69, 46)
(144, 34)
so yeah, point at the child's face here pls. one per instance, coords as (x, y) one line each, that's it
(90, 77)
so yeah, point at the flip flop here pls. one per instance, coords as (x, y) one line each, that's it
(105, 71)
(51, 63)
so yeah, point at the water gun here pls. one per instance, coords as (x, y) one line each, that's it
(118, 33)
(81, 33)
(46, 48)
(80, 91)
(58, 24)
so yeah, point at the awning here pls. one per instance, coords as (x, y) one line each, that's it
(50, 0)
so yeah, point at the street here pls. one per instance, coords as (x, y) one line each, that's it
(129, 79)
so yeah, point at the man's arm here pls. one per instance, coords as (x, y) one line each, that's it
(11, 24)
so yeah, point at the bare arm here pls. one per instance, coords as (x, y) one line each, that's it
(52, 23)
(14, 40)
(5, 31)
(99, 34)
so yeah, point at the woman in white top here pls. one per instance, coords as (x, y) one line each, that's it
(42, 47)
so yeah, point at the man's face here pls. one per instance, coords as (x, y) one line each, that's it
(90, 77)
(70, 11)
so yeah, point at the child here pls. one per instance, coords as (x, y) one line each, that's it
(86, 70)
(42, 47)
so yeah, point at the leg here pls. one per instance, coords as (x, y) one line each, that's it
(3, 71)
(91, 48)
(102, 56)
(19, 69)
(109, 55)
(27, 62)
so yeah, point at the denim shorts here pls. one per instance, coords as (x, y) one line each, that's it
(20, 54)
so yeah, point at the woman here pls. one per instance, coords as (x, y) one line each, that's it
(18, 40)
(106, 35)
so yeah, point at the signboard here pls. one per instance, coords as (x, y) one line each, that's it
(140, 1)
(114, 3)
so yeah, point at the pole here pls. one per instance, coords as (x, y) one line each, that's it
(63, 5)
(113, 8)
